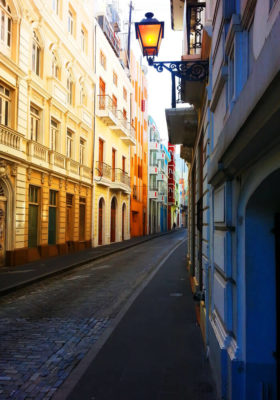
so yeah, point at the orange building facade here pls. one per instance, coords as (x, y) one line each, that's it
(139, 153)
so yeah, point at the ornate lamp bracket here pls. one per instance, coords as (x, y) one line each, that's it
(193, 71)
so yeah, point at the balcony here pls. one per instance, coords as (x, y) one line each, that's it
(103, 173)
(154, 145)
(106, 110)
(120, 177)
(153, 192)
(154, 169)
(186, 153)
(124, 129)
(182, 125)
(11, 141)
(38, 151)
(111, 36)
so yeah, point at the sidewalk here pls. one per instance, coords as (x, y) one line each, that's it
(13, 278)
(156, 351)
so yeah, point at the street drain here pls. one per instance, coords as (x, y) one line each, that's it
(176, 294)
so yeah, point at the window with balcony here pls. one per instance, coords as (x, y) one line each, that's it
(5, 105)
(36, 54)
(153, 182)
(153, 158)
(35, 119)
(5, 24)
(82, 151)
(102, 59)
(55, 135)
(123, 163)
(69, 144)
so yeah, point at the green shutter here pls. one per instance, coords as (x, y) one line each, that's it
(52, 225)
(32, 225)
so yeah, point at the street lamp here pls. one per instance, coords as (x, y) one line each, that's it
(149, 33)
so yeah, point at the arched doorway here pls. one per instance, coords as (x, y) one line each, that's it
(262, 289)
(113, 220)
(3, 225)
(123, 220)
(101, 216)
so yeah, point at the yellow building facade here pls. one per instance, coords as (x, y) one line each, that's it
(114, 137)
(47, 85)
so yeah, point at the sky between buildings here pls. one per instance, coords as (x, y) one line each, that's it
(159, 84)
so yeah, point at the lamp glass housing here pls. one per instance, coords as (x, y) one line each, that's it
(149, 32)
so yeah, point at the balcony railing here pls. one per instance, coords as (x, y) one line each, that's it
(121, 176)
(195, 21)
(38, 151)
(104, 170)
(10, 138)
(105, 103)
(109, 33)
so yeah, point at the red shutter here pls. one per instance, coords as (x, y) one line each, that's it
(143, 105)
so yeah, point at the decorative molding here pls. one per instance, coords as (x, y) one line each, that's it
(14, 170)
(235, 26)
(3, 169)
(50, 179)
(43, 178)
(60, 184)
(221, 80)
(29, 172)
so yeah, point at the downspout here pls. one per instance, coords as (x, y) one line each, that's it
(93, 160)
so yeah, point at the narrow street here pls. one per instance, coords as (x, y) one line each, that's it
(48, 328)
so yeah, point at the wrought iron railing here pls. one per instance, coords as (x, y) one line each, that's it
(109, 33)
(103, 170)
(121, 176)
(106, 103)
(195, 21)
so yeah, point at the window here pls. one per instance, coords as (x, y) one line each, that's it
(123, 163)
(52, 217)
(82, 151)
(55, 69)
(153, 182)
(271, 3)
(5, 24)
(34, 123)
(36, 54)
(115, 103)
(5, 105)
(83, 98)
(33, 214)
(230, 78)
(115, 79)
(124, 114)
(102, 59)
(54, 139)
(250, 49)
(69, 144)
(70, 89)
(70, 22)
(55, 6)
(125, 94)
(83, 40)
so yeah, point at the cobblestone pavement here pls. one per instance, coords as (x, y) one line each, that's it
(46, 329)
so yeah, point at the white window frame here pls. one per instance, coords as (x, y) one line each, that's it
(83, 40)
(69, 143)
(5, 105)
(5, 25)
(70, 23)
(55, 6)
(35, 123)
(55, 135)
(82, 150)
(55, 68)
(36, 54)
(70, 89)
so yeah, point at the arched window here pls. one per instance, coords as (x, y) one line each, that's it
(70, 88)
(5, 24)
(55, 67)
(83, 97)
(36, 54)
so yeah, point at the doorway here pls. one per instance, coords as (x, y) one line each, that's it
(100, 221)
(113, 220)
(123, 219)
(262, 283)
(2, 230)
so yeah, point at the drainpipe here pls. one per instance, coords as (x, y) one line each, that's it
(93, 160)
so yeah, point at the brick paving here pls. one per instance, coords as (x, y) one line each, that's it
(46, 329)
